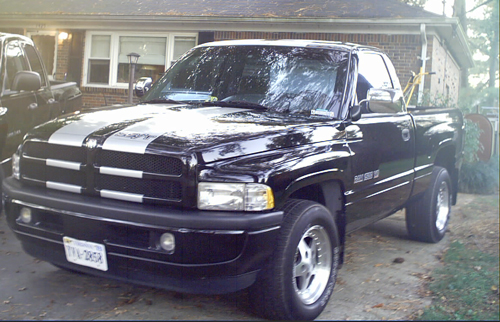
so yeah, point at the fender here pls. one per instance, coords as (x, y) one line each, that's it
(329, 181)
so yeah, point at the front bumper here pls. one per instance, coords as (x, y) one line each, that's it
(216, 252)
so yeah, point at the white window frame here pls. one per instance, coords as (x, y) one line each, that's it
(115, 45)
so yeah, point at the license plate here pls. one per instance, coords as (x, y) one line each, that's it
(85, 253)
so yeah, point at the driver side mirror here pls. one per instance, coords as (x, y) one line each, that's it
(356, 111)
(143, 85)
(26, 81)
(384, 100)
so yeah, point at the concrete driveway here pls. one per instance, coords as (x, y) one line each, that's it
(382, 278)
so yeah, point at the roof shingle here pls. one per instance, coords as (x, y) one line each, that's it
(221, 8)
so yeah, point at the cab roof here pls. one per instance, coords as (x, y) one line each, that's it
(335, 45)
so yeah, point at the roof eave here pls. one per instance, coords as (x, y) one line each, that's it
(447, 28)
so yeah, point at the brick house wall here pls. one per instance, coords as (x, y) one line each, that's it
(95, 96)
(62, 63)
(403, 50)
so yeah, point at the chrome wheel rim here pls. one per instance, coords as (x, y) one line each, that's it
(313, 264)
(442, 206)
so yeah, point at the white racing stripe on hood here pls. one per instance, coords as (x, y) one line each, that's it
(75, 133)
(137, 137)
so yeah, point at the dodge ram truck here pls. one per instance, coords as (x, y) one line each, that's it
(244, 166)
(27, 96)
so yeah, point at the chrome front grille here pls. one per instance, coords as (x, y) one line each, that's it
(40, 172)
(158, 189)
(44, 150)
(110, 174)
(141, 162)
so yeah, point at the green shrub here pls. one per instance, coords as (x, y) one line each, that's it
(472, 144)
(476, 176)
(479, 177)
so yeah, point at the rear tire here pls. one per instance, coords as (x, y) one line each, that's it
(427, 218)
(299, 279)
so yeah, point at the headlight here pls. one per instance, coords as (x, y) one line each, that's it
(235, 196)
(16, 171)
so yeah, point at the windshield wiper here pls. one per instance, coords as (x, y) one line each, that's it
(243, 104)
(162, 100)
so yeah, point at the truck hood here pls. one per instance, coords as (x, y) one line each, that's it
(213, 133)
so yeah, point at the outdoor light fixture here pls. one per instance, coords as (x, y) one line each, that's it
(63, 35)
(133, 58)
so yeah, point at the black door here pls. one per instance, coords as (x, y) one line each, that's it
(382, 144)
(47, 107)
(16, 106)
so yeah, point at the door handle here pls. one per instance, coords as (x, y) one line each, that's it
(32, 106)
(405, 134)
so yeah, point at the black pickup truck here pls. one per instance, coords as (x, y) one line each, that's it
(27, 96)
(245, 165)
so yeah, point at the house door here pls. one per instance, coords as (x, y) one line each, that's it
(47, 46)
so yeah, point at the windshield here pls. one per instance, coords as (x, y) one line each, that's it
(290, 80)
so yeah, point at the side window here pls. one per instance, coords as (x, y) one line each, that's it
(393, 73)
(372, 73)
(35, 63)
(15, 62)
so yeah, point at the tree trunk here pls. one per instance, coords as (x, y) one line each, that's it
(460, 11)
(494, 47)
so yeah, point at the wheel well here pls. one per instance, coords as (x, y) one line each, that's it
(331, 195)
(446, 158)
(312, 193)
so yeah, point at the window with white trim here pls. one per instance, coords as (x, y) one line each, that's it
(106, 62)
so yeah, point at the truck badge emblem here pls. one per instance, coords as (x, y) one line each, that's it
(91, 144)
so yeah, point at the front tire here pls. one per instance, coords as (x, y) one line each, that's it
(427, 218)
(299, 279)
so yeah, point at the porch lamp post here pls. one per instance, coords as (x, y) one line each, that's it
(132, 61)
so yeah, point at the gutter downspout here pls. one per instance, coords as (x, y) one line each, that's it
(423, 57)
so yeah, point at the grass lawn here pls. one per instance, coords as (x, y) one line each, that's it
(466, 287)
